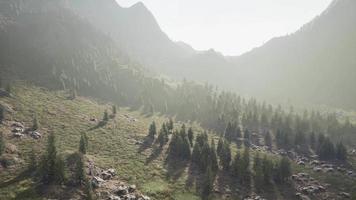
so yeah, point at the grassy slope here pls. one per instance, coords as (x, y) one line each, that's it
(111, 146)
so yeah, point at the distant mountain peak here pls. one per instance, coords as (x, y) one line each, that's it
(139, 6)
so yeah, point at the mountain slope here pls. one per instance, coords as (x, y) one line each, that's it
(316, 64)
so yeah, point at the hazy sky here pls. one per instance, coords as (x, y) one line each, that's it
(230, 26)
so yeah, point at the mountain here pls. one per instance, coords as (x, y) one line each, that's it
(316, 64)
(300, 67)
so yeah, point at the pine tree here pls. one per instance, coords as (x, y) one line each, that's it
(237, 165)
(312, 140)
(207, 184)
(33, 160)
(284, 169)
(88, 190)
(225, 158)
(80, 175)
(170, 125)
(245, 166)
(190, 136)
(152, 130)
(2, 143)
(341, 152)
(213, 157)
(8, 88)
(267, 167)
(2, 114)
(163, 135)
(258, 169)
(83, 144)
(35, 124)
(59, 170)
(220, 147)
(268, 140)
(52, 165)
(106, 116)
(247, 138)
(114, 110)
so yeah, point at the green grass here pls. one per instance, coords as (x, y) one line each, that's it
(110, 146)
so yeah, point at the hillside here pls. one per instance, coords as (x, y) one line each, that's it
(119, 144)
(315, 64)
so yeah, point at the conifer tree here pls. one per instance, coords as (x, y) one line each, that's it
(52, 165)
(170, 125)
(106, 116)
(33, 160)
(88, 190)
(267, 168)
(163, 135)
(220, 147)
(2, 114)
(268, 140)
(152, 130)
(213, 157)
(190, 136)
(35, 124)
(284, 169)
(80, 175)
(312, 140)
(247, 138)
(114, 110)
(8, 88)
(341, 152)
(207, 184)
(2, 143)
(83, 143)
(225, 158)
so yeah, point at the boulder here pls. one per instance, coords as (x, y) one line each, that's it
(97, 181)
(113, 197)
(132, 188)
(122, 190)
(106, 176)
(17, 125)
(35, 135)
(345, 195)
(18, 135)
(17, 130)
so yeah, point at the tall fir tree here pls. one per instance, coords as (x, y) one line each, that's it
(152, 130)
(2, 143)
(190, 136)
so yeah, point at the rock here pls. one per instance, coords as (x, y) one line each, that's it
(302, 163)
(111, 171)
(317, 169)
(345, 195)
(106, 176)
(17, 125)
(132, 188)
(18, 135)
(143, 197)
(10, 148)
(17, 130)
(113, 197)
(97, 182)
(129, 197)
(329, 170)
(122, 190)
(35, 135)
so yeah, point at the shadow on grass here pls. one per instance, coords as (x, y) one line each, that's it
(195, 177)
(22, 176)
(147, 143)
(157, 150)
(175, 167)
(99, 125)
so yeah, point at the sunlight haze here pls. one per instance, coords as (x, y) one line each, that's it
(230, 26)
